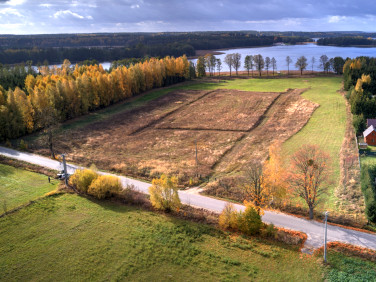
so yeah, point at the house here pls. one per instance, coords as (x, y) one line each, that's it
(370, 135)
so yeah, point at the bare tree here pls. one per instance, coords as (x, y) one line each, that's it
(288, 62)
(228, 61)
(301, 64)
(309, 173)
(259, 63)
(236, 63)
(219, 66)
(313, 60)
(267, 65)
(274, 64)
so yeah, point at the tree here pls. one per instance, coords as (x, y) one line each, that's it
(313, 60)
(236, 63)
(323, 62)
(200, 67)
(259, 63)
(228, 60)
(301, 64)
(248, 63)
(275, 174)
(274, 64)
(267, 65)
(254, 188)
(338, 63)
(288, 62)
(219, 66)
(164, 193)
(309, 173)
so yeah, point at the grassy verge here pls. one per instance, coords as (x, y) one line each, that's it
(19, 186)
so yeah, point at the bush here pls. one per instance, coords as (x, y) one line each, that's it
(82, 179)
(270, 230)
(23, 145)
(228, 217)
(164, 193)
(105, 186)
(249, 221)
(368, 174)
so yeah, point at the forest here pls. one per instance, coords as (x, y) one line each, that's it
(51, 49)
(347, 41)
(59, 94)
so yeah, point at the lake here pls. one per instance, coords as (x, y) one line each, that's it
(295, 51)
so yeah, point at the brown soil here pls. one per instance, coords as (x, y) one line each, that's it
(231, 127)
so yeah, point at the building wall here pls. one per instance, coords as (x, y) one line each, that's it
(371, 139)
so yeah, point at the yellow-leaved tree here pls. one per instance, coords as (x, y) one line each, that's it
(164, 193)
(275, 175)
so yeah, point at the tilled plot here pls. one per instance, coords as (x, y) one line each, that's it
(224, 109)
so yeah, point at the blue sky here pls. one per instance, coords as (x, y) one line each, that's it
(62, 16)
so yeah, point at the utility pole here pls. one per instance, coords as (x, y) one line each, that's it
(326, 232)
(196, 159)
(65, 170)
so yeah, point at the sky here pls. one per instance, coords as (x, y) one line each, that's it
(63, 16)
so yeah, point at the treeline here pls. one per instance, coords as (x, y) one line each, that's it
(211, 64)
(347, 41)
(60, 94)
(14, 76)
(360, 81)
(44, 56)
(111, 47)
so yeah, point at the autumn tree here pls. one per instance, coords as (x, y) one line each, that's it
(236, 61)
(164, 193)
(301, 64)
(200, 67)
(275, 174)
(259, 63)
(267, 65)
(254, 186)
(308, 175)
(229, 61)
(288, 62)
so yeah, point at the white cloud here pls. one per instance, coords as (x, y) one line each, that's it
(63, 14)
(135, 6)
(10, 11)
(15, 2)
(45, 5)
(336, 19)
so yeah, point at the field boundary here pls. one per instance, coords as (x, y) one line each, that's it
(154, 122)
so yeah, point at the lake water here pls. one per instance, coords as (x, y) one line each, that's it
(295, 51)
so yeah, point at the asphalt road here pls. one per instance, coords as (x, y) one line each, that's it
(313, 229)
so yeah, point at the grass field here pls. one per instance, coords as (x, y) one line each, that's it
(18, 186)
(71, 238)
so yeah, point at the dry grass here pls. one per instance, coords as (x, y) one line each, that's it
(348, 192)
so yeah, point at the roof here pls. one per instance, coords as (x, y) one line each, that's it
(371, 121)
(368, 131)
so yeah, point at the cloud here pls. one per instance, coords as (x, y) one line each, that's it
(336, 19)
(68, 13)
(10, 11)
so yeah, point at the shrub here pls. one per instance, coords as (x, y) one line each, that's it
(249, 221)
(105, 186)
(23, 145)
(228, 217)
(82, 179)
(368, 174)
(270, 230)
(164, 193)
